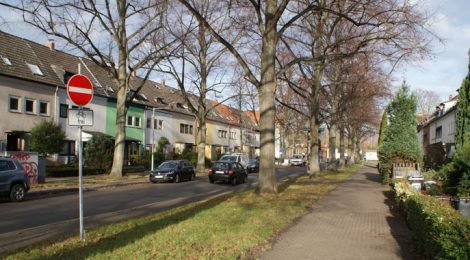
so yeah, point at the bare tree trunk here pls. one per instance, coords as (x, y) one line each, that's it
(201, 146)
(267, 174)
(121, 106)
(351, 149)
(341, 148)
(314, 166)
(332, 145)
(120, 133)
(357, 149)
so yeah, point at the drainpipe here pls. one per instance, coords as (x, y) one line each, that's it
(56, 116)
(152, 126)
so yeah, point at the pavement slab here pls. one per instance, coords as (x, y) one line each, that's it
(355, 221)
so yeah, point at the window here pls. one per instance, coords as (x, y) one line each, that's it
(63, 110)
(149, 122)
(129, 121)
(43, 108)
(186, 129)
(439, 132)
(157, 124)
(222, 134)
(14, 104)
(67, 76)
(35, 69)
(7, 61)
(29, 106)
(6, 165)
(68, 149)
(233, 135)
(137, 121)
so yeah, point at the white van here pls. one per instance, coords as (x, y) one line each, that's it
(236, 157)
(297, 160)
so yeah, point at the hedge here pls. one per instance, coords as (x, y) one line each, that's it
(439, 231)
(73, 171)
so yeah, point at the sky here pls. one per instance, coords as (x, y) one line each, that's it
(442, 73)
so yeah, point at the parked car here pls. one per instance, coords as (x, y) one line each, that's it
(297, 160)
(174, 170)
(253, 166)
(227, 171)
(236, 157)
(13, 179)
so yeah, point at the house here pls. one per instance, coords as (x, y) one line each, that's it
(33, 80)
(436, 135)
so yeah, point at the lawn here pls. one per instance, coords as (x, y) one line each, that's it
(227, 227)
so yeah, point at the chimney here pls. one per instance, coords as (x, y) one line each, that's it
(163, 83)
(51, 44)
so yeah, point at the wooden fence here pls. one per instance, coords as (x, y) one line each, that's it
(403, 170)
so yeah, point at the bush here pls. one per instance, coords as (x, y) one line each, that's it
(47, 138)
(99, 152)
(72, 171)
(438, 230)
(384, 172)
(457, 173)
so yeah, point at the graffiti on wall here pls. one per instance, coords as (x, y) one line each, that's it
(29, 161)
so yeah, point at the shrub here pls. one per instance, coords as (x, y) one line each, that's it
(438, 230)
(47, 138)
(99, 151)
(457, 173)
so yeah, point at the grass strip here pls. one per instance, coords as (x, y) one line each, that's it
(227, 227)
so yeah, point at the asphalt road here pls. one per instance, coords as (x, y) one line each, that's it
(37, 219)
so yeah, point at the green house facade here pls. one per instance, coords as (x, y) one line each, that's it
(134, 129)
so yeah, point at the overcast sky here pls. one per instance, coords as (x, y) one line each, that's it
(442, 74)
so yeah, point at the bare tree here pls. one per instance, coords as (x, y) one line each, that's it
(427, 100)
(391, 30)
(198, 67)
(123, 37)
(262, 22)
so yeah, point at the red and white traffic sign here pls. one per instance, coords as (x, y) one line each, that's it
(80, 90)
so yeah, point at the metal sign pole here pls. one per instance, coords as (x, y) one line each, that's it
(80, 180)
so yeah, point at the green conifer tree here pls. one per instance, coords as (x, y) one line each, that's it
(383, 126)
(462, 131)
(400, 142)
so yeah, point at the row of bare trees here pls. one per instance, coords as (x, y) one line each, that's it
(326, 60)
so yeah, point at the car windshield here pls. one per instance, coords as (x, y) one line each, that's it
(297, 156)
(254, 161)
(168, 165)
(220, 166)
(229, 158)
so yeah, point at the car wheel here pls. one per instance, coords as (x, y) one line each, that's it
(193, 176)
(245, 179)
(17, 193)
(177, 178)
(234, 181)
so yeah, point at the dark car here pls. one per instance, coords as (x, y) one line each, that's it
(175, 170)
(13, 180)
(253, 166)
(227, 171)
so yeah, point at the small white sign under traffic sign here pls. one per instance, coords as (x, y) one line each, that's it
(80, 117)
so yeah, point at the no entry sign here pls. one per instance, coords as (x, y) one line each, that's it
(80, 90)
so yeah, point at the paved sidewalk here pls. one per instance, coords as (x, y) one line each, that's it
(352, 222)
